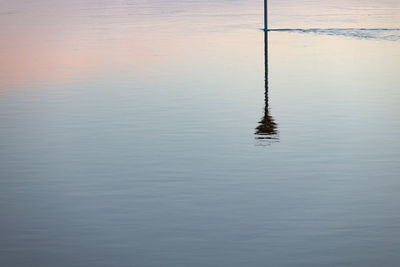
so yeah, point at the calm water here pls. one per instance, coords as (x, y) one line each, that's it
(136, 133)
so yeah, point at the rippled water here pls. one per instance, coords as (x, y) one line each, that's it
(138, 133)
(360, 33)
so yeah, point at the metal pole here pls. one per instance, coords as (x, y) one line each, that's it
(265, 15)
(266, 67)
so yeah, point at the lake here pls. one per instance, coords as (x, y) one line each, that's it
(176, 133)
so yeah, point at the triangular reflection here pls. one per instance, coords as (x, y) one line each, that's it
(267, 130)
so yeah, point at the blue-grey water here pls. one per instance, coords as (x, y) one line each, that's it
(137, 133)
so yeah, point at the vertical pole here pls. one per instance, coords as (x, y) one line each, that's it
(266, 67)
(265, 15)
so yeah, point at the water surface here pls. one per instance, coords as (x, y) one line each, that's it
(136, 133)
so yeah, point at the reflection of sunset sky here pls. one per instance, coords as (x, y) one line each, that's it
(34, 60)
(60, 42)
(48, 41)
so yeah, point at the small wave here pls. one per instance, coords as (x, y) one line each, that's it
(358, 33)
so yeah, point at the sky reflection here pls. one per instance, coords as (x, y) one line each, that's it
(48, 41)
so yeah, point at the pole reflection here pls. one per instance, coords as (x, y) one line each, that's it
(267, 130)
